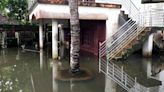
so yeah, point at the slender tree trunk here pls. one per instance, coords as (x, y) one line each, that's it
(75, 37)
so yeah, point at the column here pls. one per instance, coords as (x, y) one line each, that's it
(148, 46)
(41, 36)
(54, 39)
(17, 37)
(3, 43)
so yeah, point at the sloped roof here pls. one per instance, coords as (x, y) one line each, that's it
(6, 20)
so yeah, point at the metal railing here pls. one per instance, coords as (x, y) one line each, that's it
(119, 40)
(127, 5)
(118, 75)
(153, 18)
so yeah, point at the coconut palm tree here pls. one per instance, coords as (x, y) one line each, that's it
(75, 37)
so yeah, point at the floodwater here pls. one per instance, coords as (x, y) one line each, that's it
(148, 71)
(28, 71)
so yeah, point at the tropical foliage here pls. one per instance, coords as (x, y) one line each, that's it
(3, 5)
(18, 10)
(15, 10)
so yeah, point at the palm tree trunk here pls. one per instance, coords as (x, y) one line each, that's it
(75, 37)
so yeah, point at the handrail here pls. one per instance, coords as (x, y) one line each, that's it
(111, 50)
(113, 45)
(151, 19)
(123, 37)
(119, 76)
(134, 5)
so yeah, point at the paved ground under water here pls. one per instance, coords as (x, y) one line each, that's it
(26, 71)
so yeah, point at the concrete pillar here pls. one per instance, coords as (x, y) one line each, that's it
(54, 39)
(41, 36)
(148, 47)
(112, 24)
(17, 37)
(3, 43)
(61, 34)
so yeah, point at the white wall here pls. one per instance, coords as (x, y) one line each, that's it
(109, 14)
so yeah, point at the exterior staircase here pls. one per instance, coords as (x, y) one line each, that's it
(131, 46)
(127, 38)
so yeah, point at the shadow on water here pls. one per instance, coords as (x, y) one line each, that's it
(149, 71)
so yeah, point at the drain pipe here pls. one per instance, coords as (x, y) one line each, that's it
(148, 46)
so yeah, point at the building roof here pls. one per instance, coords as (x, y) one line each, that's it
(5, 20)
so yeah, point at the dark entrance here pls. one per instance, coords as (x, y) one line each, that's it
(92, 32)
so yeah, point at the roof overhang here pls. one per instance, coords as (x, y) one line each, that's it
(51, 11)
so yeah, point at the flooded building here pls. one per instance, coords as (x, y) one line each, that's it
(110, 29)
(97, 20)
(12, 34)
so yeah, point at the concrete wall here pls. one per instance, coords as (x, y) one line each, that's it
(88, 13)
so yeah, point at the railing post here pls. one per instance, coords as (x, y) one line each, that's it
(113, 70)
(135, 80)
(135, 84)
(99, 57)
(129, 7)
(125, 79)
(122, 73)
(107, 70)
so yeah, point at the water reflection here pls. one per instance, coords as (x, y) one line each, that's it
(61, 51)
(35, 72)
(149, 71)
(152, 66)
(54, 75)
(26, 71)
(110, 86)
(18, 55)
(41, 59)
(147, 66)
(3, 55)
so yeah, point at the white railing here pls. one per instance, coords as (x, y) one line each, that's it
(120, 39)
(118, 75)
(127, 5)
(125, 34)
(153, 18)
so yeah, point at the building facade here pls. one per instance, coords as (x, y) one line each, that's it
(97, 21)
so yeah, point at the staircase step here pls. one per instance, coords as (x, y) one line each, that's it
(116, 58)
(123, 15)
